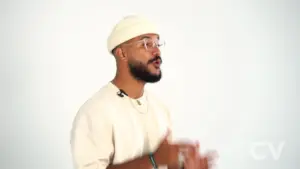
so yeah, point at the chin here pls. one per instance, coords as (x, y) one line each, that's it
(156, 72)
(153, 77)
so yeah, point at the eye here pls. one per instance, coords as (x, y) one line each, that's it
(149, 43)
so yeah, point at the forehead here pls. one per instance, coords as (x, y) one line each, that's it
(144, 36)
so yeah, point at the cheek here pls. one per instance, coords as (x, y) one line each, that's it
(137, 62)
(141, 57)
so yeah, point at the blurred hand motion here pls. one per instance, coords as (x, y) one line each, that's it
(194, 160)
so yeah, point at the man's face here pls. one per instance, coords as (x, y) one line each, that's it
(144, 58)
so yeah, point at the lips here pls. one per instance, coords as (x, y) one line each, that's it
(156, 63)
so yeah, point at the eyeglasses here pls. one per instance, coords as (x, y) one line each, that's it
(150, 44)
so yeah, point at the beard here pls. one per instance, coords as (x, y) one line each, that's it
(141, 72)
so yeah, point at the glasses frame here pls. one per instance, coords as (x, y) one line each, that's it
(157, 43)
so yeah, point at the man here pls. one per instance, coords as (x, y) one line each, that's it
(123, 126)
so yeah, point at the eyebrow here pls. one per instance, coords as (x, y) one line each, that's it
(147, 37)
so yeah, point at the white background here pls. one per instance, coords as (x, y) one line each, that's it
(230, 76)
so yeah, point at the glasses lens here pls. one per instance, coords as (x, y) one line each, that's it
(150, 44)
(161, 43)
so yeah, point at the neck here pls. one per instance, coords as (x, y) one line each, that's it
(131, 86)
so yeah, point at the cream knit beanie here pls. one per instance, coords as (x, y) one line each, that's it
(129, 27)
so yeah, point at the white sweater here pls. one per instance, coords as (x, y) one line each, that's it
(113, 129)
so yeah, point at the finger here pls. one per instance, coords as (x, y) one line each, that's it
(192, 148)
(190, 154)
(186, 145)
(198, 147)
(212, 157)
(189, 163)
(205, 163)
(210, 166)
(197, 144)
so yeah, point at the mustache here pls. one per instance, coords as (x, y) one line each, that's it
(157, 57)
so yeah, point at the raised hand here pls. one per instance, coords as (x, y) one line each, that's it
(193, 159)
(166, 154)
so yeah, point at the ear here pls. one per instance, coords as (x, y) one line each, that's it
(120, 54)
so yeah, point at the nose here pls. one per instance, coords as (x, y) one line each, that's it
(155, 51)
